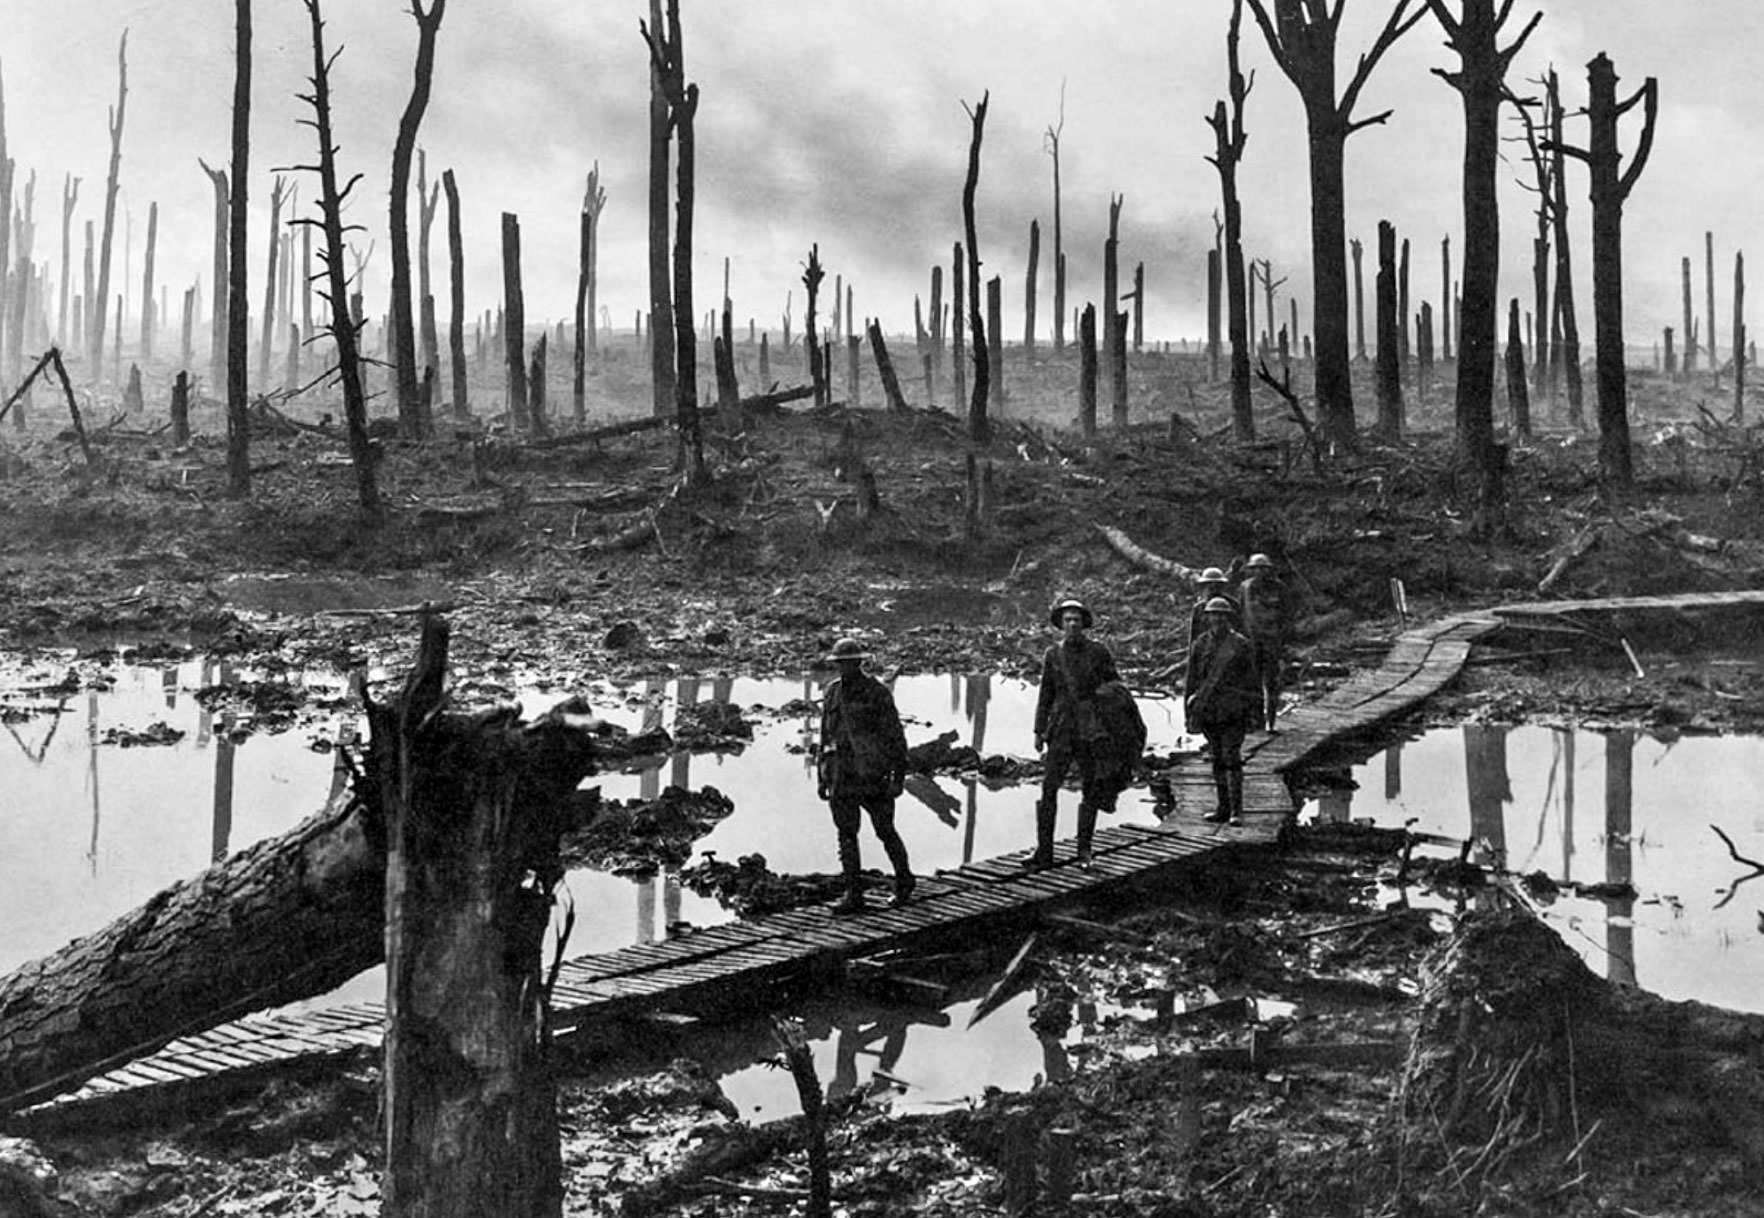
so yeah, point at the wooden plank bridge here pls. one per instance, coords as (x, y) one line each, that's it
(753, 963)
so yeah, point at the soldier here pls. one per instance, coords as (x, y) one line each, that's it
(861, 767)
(1266, 616)
(1220, 695)
(1069, 728)
(1211, 583)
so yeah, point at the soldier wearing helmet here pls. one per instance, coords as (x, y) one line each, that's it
(1070, 728)
(1267, 615)
(1221, 699)
(1209, 584)
(861, 768)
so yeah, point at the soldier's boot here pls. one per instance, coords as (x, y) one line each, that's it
(904, 881)
(1086, 830)
(1046, 809)
(1234, 781)
(1222, 789)
(850, 863)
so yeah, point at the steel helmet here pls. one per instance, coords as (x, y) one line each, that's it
(1259, 562)
(1212, 575)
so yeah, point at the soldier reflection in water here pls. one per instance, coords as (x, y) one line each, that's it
(856, 1037)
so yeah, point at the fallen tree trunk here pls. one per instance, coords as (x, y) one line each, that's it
(758, 404)
(1139, 556)
(288, 918)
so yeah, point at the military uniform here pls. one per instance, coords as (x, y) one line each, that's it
(1221, 696)
(1267, 616)
(863, 761)
(1068, 718)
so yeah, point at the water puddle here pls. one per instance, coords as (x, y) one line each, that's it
(1588, 808)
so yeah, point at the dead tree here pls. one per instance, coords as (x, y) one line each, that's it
(278, 190)
(1690, 333)
(1445, 297)
(661, 307)
(1229, 139)
(1358, 252)
(404, 337)
(148, 319)
(1028, 289)
(344, 328)
(1301, 36)
(70, 197)
(218, 311)
(1739, 338)
(536, 387)
(184, 346)
(667, 55)
(819, 374)
(1518, 397)
(1052, 143)
(1087, 371)
(1542, 383)
(456, 289)
(995, 335)
(587, 328)
(1611, 184)
(1563, 304)
(95, 307)
(238, 221)
(958, 343)
(1111, 307)
(1481, 82)
(1403, 310)
(938, 316)
(6, 174)
(1709, 289)
(1387, 379)
(428, 203)
(514, 311)
(885, 368)
(979, 428)
(1215, 298)
(1423, 351)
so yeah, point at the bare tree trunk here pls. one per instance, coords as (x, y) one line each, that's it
(957, 329)
(1690, 325)
(938, 316)
(1215, 291)
(1059, 296)
(1403, 310)
(218, 311)
(1357, 250)
(180, 409)
(536, 387)
(70, 196)
(1087, 371)
(1111, 296)
(1611, 184)
(277, 191)
(979, 428)
(410, 423)
(238, 304)
(885, 368)
(344, 328)
(6, 176)
(456, 287)
(1564, 301)
(1028, 290)
(587, 326)
(812, 274)
(1518, 397)
(995, 336)
(428, 203)
(1386, 378)
(1739, 338)
(147, 315)
(95, 307)
(661, 308)
(1139, 306)
(189, 326)
(1709, 288)
(514, 320)
(1446, 317)
(683, 108)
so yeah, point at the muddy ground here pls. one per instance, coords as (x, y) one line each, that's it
(589, 561)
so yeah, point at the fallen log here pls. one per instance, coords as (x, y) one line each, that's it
(288, 918)
(1585, 540)
(1141, 557)
(759, 403)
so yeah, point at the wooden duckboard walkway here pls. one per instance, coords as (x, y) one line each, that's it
(758, 959)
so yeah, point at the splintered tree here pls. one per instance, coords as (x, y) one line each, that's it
(1611, 184)
(812, 274)
(667, 58)
(217, 322)
(1052, 143)
(70, 197)
(979, 429)
(411, 422)
(661, 292)
(1542, 382)
(1481, 83)
(428, 203)
(334, 285)
(148, 319)
(587, 326)
(1228, 142)
(95, 307)
(456, 296)
(278, 190)
(238, 218)
(1301, 36)
(514, 325)
(1568, 348)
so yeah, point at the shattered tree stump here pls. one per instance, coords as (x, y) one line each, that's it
(473, 829)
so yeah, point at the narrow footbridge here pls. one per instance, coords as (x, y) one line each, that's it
(753, 963)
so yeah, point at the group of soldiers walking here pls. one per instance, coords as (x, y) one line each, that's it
(1085, 719)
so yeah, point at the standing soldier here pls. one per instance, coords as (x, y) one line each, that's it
(1220, 696)
(1069, 727)
(862, 765)
(1211, 583)
(1267, 615)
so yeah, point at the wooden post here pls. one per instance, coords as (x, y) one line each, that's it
(180, 410)
(885, 366)
(1387, 379)
(1518, 396)
(1028, 292)
(514, 320)
(1087, 371)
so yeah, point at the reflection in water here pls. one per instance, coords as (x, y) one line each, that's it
(1619, 818)
(1393, 771)
(855, 1038)
(92, 774)
(1518, 797)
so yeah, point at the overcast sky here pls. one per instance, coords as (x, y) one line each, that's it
(843, 124)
